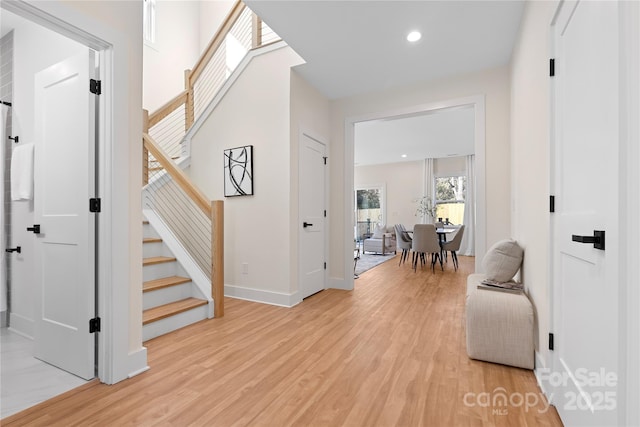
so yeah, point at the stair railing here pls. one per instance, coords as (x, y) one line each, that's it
(196, 221)
(240, 32)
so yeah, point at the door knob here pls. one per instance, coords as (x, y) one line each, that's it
(16, 249)
(306, 224)
(35, 229)
(597, 239)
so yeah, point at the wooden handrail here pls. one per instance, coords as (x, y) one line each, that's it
(217, 40)
(178, 175)
(168, 108)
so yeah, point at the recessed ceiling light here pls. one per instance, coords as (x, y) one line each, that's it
(414, 36)
(403, 156)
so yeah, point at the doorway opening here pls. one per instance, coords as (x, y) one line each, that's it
(39, 83)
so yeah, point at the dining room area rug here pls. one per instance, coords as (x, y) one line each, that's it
(368, 261)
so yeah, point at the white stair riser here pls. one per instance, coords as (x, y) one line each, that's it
(155, 249)
(166, 295)
(159, 271)
(148, 231)
(172, 323)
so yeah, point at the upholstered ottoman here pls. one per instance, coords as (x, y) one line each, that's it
(499, 326)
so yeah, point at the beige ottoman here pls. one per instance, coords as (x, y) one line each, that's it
(499, 326)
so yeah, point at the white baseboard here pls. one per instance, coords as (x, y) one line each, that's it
(22, 325)
(541, 366)
(138, 362)
(340, 283)
(262, 296)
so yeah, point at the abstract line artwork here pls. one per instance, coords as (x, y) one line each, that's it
(238, 171)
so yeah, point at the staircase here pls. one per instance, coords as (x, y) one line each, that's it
(170, 299)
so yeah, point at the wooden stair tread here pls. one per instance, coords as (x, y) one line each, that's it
(165, 282)
(157, 260)
(164, 311)
(151, 240)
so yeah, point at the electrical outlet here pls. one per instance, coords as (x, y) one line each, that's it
(245, 268)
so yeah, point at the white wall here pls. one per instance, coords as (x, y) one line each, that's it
(257, 228)
(404, 183)
(51, 48)
(175, 50)
(494, 84)
(530, 160)
(309, 114)
(211, 16)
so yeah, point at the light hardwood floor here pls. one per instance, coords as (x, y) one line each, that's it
(392, 352)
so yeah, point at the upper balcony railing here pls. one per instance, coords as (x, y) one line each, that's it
(241, 31)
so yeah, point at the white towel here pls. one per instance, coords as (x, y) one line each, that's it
(22, 172)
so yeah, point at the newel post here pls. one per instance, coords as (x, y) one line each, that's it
(217, 257)
(188, 106)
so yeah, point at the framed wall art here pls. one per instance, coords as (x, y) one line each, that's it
(238, 171)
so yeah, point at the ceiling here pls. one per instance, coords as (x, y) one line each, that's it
(446, 133)
(355, 47)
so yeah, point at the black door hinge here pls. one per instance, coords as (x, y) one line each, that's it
(94, 325)
(325, 213)
(94, 205)
(325, 265)
(552, 67)
(552, 203)
(95, 86)
(325, 160)
(550, 341)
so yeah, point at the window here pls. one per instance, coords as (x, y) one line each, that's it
(369, 210)
(149, 18)
(450, 196)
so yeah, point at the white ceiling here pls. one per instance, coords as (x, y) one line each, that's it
(446, 133)
(355, 47)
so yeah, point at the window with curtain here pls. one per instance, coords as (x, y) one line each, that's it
(450, 198)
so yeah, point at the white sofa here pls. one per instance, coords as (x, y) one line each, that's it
(383, 241)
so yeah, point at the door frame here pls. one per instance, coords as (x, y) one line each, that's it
(120, 353)
(629, 210)
(478, 104)
(305, 132)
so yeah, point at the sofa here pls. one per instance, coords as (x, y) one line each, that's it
(383, 241)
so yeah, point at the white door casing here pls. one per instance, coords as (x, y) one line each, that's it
(64, 183)
(312, 207)
(585, 92)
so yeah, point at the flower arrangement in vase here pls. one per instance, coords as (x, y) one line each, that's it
(426, 207)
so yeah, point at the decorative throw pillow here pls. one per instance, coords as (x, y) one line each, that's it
(378, 231)
(502, 261)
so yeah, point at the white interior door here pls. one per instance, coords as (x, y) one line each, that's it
(585, 279)
(312, 216)
(65, 247)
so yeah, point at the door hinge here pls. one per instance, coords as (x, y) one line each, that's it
(94, 205)
(325, 213)
(550, 341)
(325, 265)
(95, 86)
(325, 160)
(94, 325)
(552, 204)
(552, 67)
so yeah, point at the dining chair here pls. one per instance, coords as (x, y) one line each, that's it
(403, 242)
(454, 245)
(425, 241)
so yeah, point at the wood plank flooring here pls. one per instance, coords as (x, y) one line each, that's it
(390, 353)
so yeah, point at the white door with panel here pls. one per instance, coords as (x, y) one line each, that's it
(65, 244)
(312, 215)
(585, 223)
